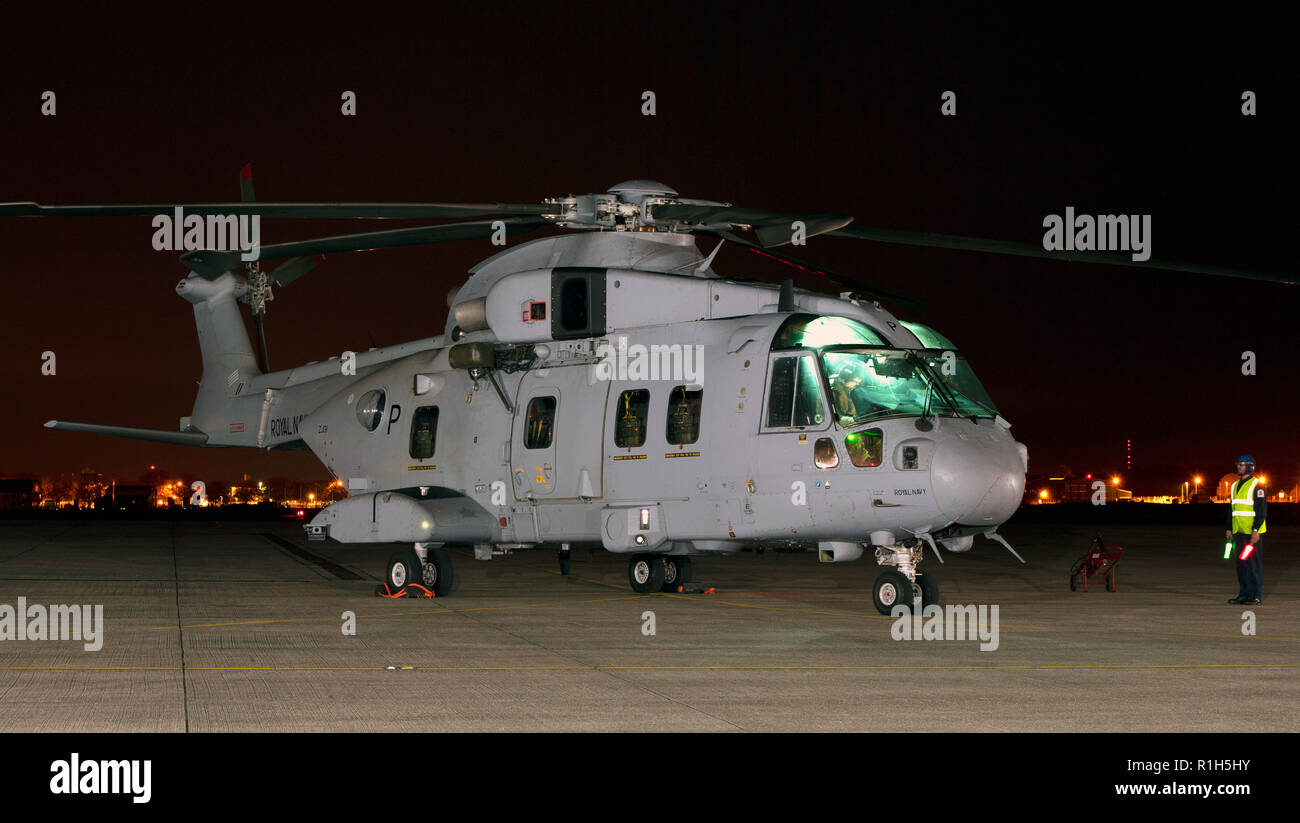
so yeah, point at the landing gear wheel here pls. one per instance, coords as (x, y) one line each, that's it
(677, 572)
(926, 588)
(439, 574)
(646, 573)
(403, 568)
(891, 589)
(563, 555)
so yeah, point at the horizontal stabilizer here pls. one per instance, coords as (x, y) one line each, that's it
(193, 438)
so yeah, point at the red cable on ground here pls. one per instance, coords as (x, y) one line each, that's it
(409, 590)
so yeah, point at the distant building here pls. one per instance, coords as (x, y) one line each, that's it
(1223, 489)
(19, 493)
(1071, 489)
(129, 497)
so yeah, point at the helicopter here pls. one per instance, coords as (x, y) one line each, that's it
(605, 388)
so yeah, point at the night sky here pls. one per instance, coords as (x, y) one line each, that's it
(774, 109)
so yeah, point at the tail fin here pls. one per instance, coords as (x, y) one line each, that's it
(228, 359)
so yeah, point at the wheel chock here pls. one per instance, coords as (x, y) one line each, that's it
(409, 590)
(694, 588)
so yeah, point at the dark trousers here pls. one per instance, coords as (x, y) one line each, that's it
(1250, 572)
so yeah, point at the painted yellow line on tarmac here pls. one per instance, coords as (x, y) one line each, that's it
(1238, 636)
(774, 668)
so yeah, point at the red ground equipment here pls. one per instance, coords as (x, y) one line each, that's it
(1096, 566)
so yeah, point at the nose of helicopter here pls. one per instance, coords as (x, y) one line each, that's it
(978, 480)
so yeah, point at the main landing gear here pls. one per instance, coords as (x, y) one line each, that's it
(903, 584)
(658, 572)
(425, 564)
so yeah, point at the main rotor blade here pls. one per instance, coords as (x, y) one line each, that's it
(211, 264)
(952, 241)
(853, 282)
(773, 228)
(414, 211)
(292, 269)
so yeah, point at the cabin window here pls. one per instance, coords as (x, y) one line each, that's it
(684, 415)
(795, 397)
(825, 455)
(370, 409)
(539, 424)
(424, 432)
(865, 447)
(630, 419)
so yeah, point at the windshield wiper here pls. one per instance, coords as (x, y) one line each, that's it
(924, 423)
(935, 382)
(959, 393)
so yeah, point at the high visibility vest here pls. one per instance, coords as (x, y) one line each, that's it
(1243, 507)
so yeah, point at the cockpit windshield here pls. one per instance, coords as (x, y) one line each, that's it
(960, 380)
(867, 384)
(868, 379)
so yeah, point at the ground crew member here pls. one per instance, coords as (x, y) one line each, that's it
(1246, 514)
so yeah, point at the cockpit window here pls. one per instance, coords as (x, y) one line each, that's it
(805, 331)
(960, 380)
(930, 339)
(865, 448)
(795, 396)
(867, 384)
(883, 383)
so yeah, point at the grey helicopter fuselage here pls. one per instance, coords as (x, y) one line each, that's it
(606, 389)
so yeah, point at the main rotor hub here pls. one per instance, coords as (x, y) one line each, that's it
(627, 206)
(637, 189)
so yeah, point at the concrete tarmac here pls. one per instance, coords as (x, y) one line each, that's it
(215, 627)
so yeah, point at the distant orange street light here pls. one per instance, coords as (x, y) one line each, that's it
(1114, 481)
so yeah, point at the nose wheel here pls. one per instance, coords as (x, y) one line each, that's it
(891, 589)
(677, 572)
(646, 573)
(438, 573)
(926, 588)
(902, 584)
(429, 566)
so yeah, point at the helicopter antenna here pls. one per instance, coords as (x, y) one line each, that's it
(708, 261)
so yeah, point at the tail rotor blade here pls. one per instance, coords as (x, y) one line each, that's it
(246, 183)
